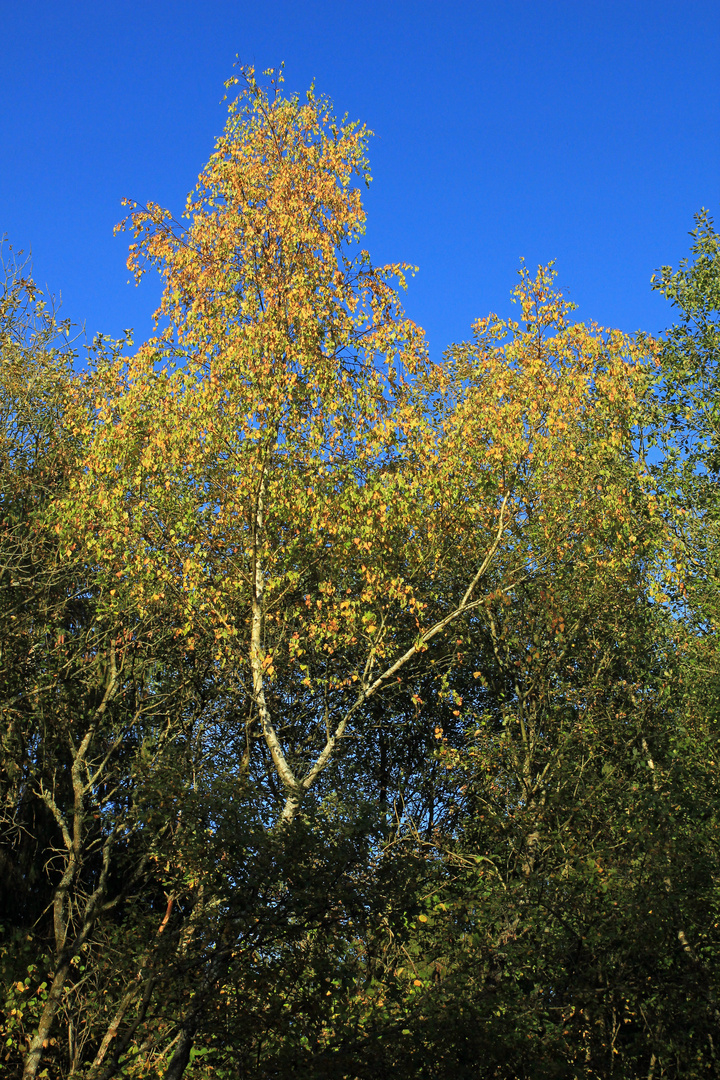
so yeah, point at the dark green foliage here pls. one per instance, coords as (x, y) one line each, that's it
(511, 872)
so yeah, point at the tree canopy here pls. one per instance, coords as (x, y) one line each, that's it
(358, 711)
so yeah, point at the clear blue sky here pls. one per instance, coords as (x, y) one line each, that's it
(586, 132)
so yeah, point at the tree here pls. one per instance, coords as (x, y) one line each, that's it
(688, 403)
(93, 728)
(284, 473)
(541, 724)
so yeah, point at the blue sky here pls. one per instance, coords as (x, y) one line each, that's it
(588, 133)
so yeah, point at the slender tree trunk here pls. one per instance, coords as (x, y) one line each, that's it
(179, 1060)
(42, 1032)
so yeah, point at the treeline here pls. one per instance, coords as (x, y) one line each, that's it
(359, 713)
